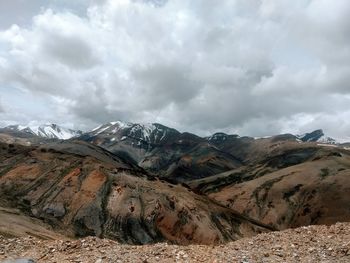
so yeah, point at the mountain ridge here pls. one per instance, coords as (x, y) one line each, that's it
(151, 132)
(49, 131)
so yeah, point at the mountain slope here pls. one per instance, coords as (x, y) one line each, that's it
(13, 223)
(294, 187)
(85, 190)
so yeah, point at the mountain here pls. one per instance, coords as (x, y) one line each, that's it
(150, 133)
(316, 136)
(47, 131)
(292, 184)
(244, 173)
(161, 150)
(183, 157)
(81, 190)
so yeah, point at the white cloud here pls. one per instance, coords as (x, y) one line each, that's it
(239, 66)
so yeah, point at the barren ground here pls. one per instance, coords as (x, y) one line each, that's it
(305, 244)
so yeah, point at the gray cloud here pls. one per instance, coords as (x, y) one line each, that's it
(250, 67)
(92, 106)
(164, 84)
(1, 106)
(70, 50)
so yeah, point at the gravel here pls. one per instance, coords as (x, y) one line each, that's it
(305, 244)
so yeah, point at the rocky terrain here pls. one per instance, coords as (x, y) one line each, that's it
(305, 244)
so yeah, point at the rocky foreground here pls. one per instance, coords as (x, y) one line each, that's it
(305, 244)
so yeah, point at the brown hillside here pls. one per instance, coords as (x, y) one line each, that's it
(85, 190)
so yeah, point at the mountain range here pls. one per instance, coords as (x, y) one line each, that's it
(151, 133)
(166, 152)
(48, 131)
(144, 183)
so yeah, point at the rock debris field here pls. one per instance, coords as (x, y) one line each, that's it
(305, 244)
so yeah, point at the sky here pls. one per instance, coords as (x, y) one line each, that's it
(251, 67)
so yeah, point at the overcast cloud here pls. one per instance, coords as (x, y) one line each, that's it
(253, 67)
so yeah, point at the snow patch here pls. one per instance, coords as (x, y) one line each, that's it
(101, 130)
(98, 127)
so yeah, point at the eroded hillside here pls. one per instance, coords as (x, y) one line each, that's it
(289, 188)
(85, 190)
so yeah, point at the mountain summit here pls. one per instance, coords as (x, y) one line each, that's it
(316, 136)
(49, 131)
(150, 133)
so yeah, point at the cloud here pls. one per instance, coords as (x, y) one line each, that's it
(250, 67)
(164, 84)
(1, 106)
(60, 41)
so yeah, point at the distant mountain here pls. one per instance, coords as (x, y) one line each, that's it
(316, 136)
(149, 133)
(220, 137)
(184, 156)
(162, 150)
(49, 131)
(166, 152)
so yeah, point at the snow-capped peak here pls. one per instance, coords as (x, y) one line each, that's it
(50, 131)
(316, 136)
(146, 132)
